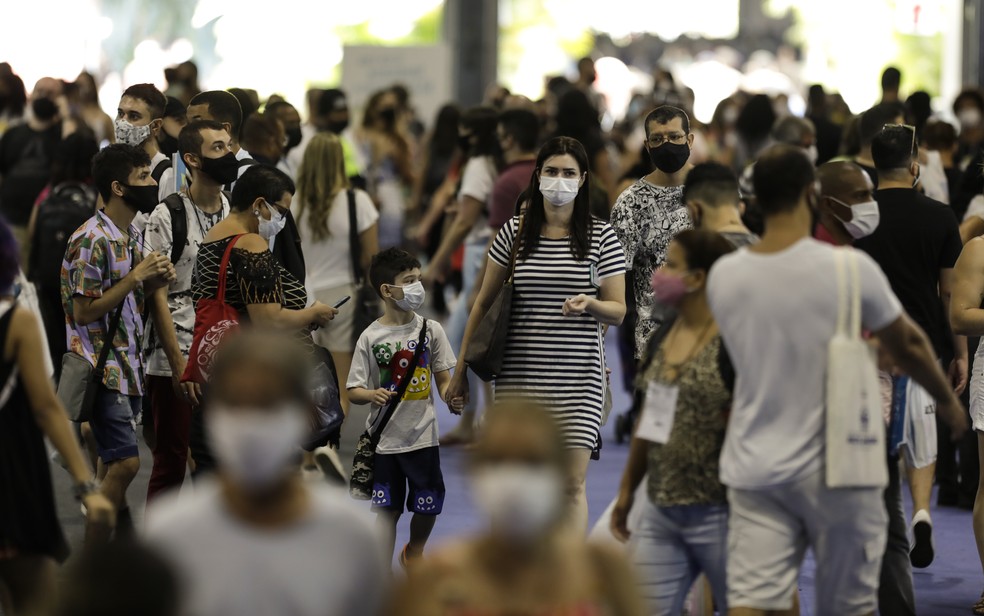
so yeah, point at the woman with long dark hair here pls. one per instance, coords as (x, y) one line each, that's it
(569, 282)
(441, 168)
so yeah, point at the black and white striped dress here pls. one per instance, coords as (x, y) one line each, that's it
(558, 360)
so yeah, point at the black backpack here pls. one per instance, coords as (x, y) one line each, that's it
(64, 210)
(179, 223)
(159, 170)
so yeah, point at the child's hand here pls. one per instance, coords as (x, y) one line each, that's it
(456, 405)
(381, 396)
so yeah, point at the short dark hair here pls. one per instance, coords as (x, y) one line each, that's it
(780, 176)
(251, 344)
(115, 163)
(329, 101)
(703, 248)
(939, 135)
(665, 115)
(878, 116)
(151, 96)
(792, 129)
(190, 138)
(971, 95)
(711, 182)
(260, 181)
(388, 264)
(891, 78)
(893, 148)
(523, 126)
(258, 129)
(222, 106)
(276, 106)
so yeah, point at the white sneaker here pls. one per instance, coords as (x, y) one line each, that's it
(922, 552)
(331, 465)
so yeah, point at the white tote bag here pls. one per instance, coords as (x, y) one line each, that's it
(856, 455)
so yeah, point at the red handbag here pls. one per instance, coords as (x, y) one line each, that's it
(214, 320)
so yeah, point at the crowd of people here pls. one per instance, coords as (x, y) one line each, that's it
(228, 279)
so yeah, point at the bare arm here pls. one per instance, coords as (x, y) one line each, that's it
(608, 308)
(443, 379)
(164, 328)
(971, 228)
(469, 209)
(957, 370)
(967, 291)
(909, 347)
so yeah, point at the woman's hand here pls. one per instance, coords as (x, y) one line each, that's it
(576, 306)
(98, 510)
(322, 313)
(620, 516)
(457, 392)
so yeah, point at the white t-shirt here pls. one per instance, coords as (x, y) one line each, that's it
(382, 357)
(777, 314)
(476, 182)
(328, 261)
(165, 186)
(157, 236)
(329, 563)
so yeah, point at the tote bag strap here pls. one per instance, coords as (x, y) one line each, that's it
(855, 287)
(848, 293)
(515, 248)
(224, 266)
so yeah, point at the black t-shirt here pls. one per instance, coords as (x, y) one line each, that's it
(871, 171)
(916, 238)
(25, 166)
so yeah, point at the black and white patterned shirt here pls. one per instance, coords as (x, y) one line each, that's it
(645, 218)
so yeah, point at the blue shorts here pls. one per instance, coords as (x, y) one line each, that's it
(420, 469)
(114, 424)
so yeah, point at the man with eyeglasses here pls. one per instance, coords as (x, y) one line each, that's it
(917, 243)
(648, 214)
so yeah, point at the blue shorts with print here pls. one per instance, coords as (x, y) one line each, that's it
(420, 470)
(114, 425)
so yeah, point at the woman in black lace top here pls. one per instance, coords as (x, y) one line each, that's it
(257, 285)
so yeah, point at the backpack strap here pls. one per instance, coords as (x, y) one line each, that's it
(159, 170)
(179, 225)
(387, 413)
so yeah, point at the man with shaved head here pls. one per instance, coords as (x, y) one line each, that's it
(847, 210)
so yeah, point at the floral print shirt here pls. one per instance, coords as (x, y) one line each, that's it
(645, 218)
(98, 256)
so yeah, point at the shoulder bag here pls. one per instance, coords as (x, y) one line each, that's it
(487, 344)
(855, 430)
(361, 483)
(214, 320)
(367, 307)
(80, 380)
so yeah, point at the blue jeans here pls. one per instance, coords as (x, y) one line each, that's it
(114, 425)
(674, 545)
(472, 263)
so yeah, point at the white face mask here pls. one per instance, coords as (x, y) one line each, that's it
(129, 134)
(253, 447)
(413, 296)
(969, 117)
(812, 154)
(559, 191)
(520, 501)
(270, 228)
(864, 218)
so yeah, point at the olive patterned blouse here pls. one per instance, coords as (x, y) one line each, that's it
(684, 471)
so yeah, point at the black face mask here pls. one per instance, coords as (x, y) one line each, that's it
(293, 138)
(464, 142)
(44, 108)
(670, 157)
(168, 144)
(223, 170)
(338, 126)
(387, 116)
(141, 198)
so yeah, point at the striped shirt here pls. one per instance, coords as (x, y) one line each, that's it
(557, 360)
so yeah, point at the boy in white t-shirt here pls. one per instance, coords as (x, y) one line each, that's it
(407, 453)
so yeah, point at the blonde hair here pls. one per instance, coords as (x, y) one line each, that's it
(320, 179)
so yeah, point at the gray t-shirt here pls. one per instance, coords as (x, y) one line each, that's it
(382, 357)
(329, 563)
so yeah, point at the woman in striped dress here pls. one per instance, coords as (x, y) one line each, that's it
(569, 283)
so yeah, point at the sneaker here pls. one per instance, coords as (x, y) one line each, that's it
(330, 464)
(922, 552)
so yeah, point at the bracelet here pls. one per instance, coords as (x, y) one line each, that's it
(81, 490)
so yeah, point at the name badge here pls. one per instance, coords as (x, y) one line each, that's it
(594, 277)
(656, 422)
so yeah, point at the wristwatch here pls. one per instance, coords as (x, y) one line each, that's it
(81, 490)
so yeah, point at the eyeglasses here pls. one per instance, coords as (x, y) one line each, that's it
(912, 148)
(657, 140)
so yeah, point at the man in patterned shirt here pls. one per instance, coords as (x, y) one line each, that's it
(102, 271)
(650, 212)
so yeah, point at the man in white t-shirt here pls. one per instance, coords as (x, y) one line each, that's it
(776, 304)
(139, 121)
(260, 540)
(168, 339)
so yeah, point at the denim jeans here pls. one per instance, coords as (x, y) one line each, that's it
(672, 547)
